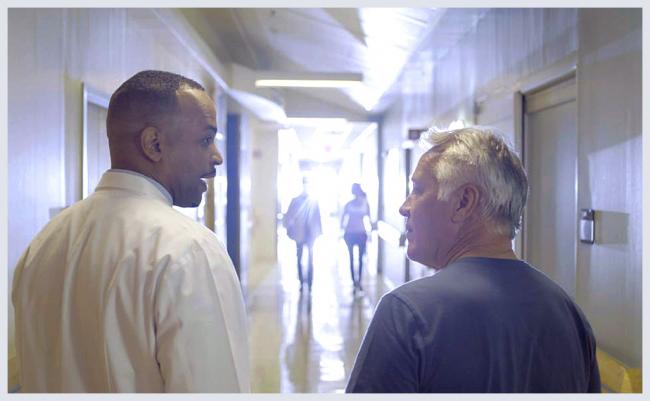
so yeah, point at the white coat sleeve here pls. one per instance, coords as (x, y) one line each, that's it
(198, 319)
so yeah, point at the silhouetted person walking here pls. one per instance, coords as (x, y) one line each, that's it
(303, 224)
(352, 221)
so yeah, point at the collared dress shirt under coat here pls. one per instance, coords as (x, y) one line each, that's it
(122, 293)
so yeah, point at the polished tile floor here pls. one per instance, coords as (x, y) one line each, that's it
(304, 342)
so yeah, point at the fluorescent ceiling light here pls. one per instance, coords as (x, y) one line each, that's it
(315, 121)
(307, 80)
(301, 83)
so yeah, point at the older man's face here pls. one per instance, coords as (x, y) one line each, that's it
(429, 229)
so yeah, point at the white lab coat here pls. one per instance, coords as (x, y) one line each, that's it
(122, 293)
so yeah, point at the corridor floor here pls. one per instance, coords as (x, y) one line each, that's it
(302, 342)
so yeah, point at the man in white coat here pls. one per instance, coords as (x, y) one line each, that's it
(122, 293)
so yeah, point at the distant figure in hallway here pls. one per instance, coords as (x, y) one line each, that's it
(122, 293)
(303, 223)
(486, 321)
(353, 222)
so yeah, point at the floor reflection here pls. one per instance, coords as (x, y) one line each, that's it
(304, 342)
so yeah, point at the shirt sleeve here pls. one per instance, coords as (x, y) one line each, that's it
(18, 269)
(388, 360)
(198, 330)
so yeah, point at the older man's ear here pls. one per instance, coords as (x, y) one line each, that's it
(465, 202)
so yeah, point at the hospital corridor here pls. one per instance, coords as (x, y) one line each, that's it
(304, 342)
(319, 138)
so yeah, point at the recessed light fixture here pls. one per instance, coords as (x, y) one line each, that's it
(315, 121)
(307, 80)
(302, 83)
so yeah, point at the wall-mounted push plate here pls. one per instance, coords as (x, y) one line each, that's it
(587, 226)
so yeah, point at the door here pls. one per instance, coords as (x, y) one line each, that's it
(550, 157)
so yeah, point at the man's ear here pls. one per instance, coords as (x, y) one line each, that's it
(150, 143)
(466, 199)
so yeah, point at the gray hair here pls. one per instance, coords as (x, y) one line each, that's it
(482, 156)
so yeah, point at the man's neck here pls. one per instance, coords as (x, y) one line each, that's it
(149, 178)
(490, 252)
(482, 243)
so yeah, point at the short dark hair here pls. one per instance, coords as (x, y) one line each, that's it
(147, 95)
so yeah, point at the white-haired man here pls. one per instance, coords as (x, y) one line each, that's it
(486, 321)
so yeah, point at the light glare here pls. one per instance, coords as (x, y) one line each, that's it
(305, 83)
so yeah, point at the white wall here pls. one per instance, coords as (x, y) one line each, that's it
(50, 53)
(609, 177)
(264, 194)
(36, 183)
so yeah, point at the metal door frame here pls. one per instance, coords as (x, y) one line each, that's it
(99, 99)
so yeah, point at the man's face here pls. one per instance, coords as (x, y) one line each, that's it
(429, 229)
(190, 152)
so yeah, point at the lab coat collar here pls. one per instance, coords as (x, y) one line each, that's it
(135, 182)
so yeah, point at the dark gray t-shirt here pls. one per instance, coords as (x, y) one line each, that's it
(478, 325)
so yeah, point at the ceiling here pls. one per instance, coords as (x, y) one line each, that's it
(379, 43)
(376, 42)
